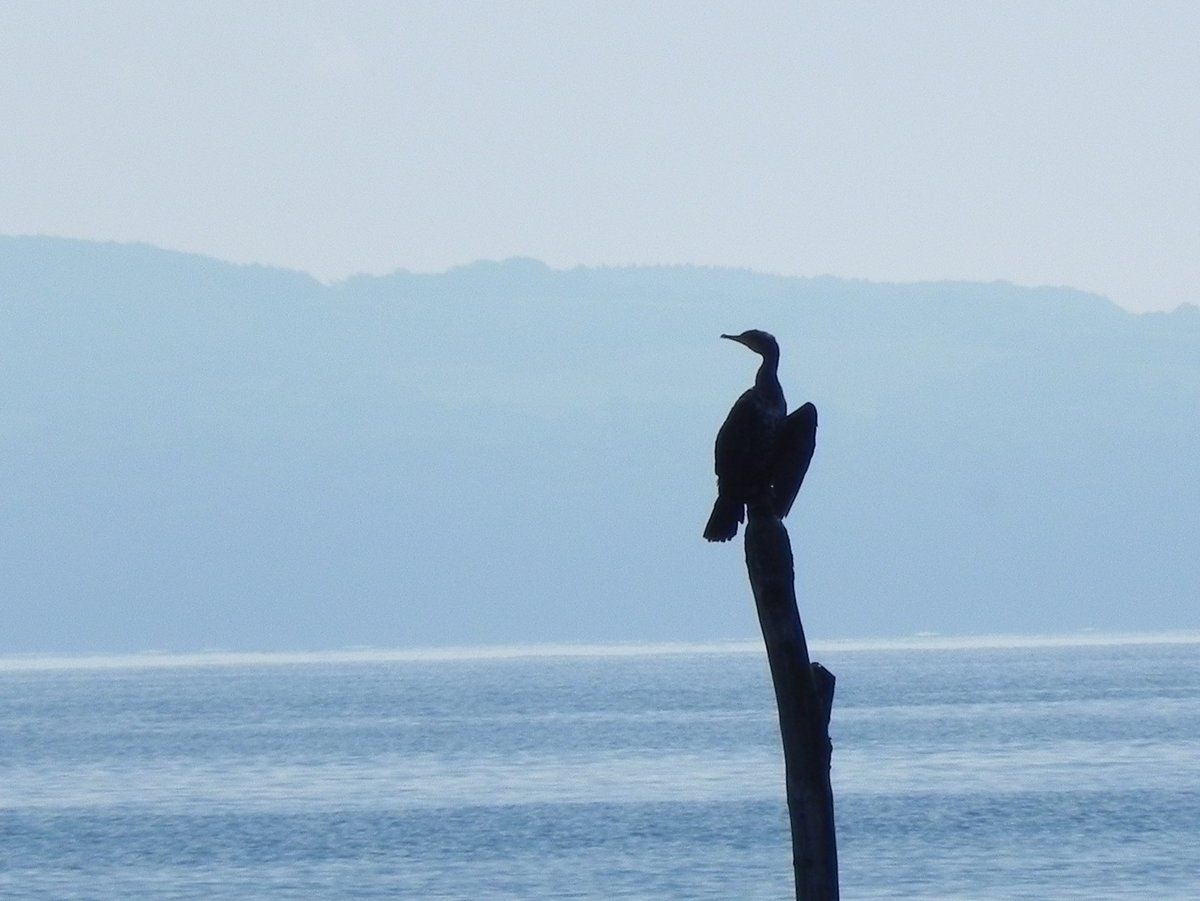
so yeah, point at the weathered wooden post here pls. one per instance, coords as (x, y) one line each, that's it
(804, 695)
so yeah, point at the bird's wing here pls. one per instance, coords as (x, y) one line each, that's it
(793, 453)
(735, 450)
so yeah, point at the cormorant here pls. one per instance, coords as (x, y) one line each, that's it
(762, 454)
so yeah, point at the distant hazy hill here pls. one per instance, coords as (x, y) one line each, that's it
(204, 455)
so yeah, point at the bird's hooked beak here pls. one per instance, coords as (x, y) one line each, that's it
(741, 339)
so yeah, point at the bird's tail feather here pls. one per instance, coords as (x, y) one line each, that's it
(724, 520)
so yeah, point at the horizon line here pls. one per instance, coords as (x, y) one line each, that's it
(923, 641)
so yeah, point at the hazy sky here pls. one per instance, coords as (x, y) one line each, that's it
(1042, 142)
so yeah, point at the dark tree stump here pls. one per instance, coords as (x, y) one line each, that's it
(804, 695)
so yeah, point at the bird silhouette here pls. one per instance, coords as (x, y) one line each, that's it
(762, 453)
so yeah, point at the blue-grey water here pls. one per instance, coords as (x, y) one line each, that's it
(972, 773)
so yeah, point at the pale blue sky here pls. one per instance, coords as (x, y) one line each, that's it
(1042, 143)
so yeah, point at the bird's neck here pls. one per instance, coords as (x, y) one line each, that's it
(768, 372)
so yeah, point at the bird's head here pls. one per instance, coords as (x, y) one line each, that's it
(760, 342)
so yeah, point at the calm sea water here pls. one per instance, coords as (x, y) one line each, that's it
(984, 773)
